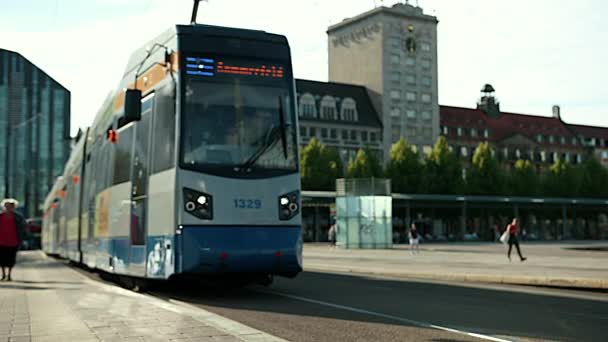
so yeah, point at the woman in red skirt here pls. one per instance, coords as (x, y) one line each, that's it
(12, 227)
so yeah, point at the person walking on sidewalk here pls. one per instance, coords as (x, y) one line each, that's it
(12, 231)
(414, 239)
(513, 230)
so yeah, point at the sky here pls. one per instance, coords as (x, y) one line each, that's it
(535, 53)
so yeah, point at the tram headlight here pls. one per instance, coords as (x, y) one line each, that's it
(289, 205)
(198, 204)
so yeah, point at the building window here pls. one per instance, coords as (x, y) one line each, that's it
(543, 156)
(459, 131)
(395, 58)
(410, 79)
(364, 136)
(372, 136)
(486, 133)
(464, 151)
(395, 77)
(567, 157)
(353, 135)
(426, 81)
(426, 98)
(349, 110)
(427, 132)
(395, 112)
(425, 46)
(410, 61)
(426, 115)
(505, 152)
(323, 132)
(312, 131)
(562, 140)
(539, 138)
(395, 94)
(307, 106)
(344, 134)
(412, 131)
(410, 96)
(551, 139)
(302, 131)
(333, 133)
(328, 108)
(445, 130)
(410, 113)
(604, 154)
(517, 154)
(426, 63)
(579, 158)
(473, 132)
(395, 134)
(574, 141)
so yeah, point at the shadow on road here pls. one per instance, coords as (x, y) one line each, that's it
(486, 311)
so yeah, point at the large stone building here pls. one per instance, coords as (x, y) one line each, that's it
(392, 51)
(34, 131)
(540, 139)
(339, 115)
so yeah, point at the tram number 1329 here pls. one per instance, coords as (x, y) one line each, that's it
(241, 203)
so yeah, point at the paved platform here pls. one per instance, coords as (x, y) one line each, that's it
(49, 301)
(566, 264)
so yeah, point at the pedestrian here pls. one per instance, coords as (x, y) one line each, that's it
(414, 239)
(12, 232)
(513, 230)
(331, 234)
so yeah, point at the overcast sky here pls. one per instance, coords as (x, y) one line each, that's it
(535, 53)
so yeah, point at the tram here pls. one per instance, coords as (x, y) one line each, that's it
(190, 167)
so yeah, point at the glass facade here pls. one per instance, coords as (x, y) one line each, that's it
(34, 131)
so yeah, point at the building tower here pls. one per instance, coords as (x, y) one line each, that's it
(393, 52)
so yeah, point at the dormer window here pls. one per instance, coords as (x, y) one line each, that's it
(307, 106)
(328, 108)
(349, 110)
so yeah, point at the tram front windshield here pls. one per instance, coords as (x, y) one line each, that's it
(238, 125)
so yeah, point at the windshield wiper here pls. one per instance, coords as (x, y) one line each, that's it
(270, 139)
(283, 127)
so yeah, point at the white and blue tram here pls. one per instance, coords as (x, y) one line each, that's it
(191, 166)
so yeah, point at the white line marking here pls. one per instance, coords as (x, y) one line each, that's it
(391, 317)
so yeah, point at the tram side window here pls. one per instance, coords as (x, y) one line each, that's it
(122, 156)
(163, 132)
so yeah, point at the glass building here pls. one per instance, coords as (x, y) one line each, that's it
(34, 131)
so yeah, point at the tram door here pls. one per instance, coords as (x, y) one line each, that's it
(139, 189)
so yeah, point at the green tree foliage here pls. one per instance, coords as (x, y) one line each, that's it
(364, 165)
(442, 170)
(320, 166)
(593, 179)
(404, 168)
(561, 180)
(485, 177)
(523, 180)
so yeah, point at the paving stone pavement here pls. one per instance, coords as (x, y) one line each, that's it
(47, 301)
(579, 264)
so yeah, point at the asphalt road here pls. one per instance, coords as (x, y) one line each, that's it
(336, 307)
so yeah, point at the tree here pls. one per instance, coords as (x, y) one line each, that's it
(485, 176)
(320, 166)
(404, 168)
(562, 180)
(593, 179)
(523, 180)
(365, 165)
(442, 170)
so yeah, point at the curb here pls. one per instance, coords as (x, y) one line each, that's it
(583, 284)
